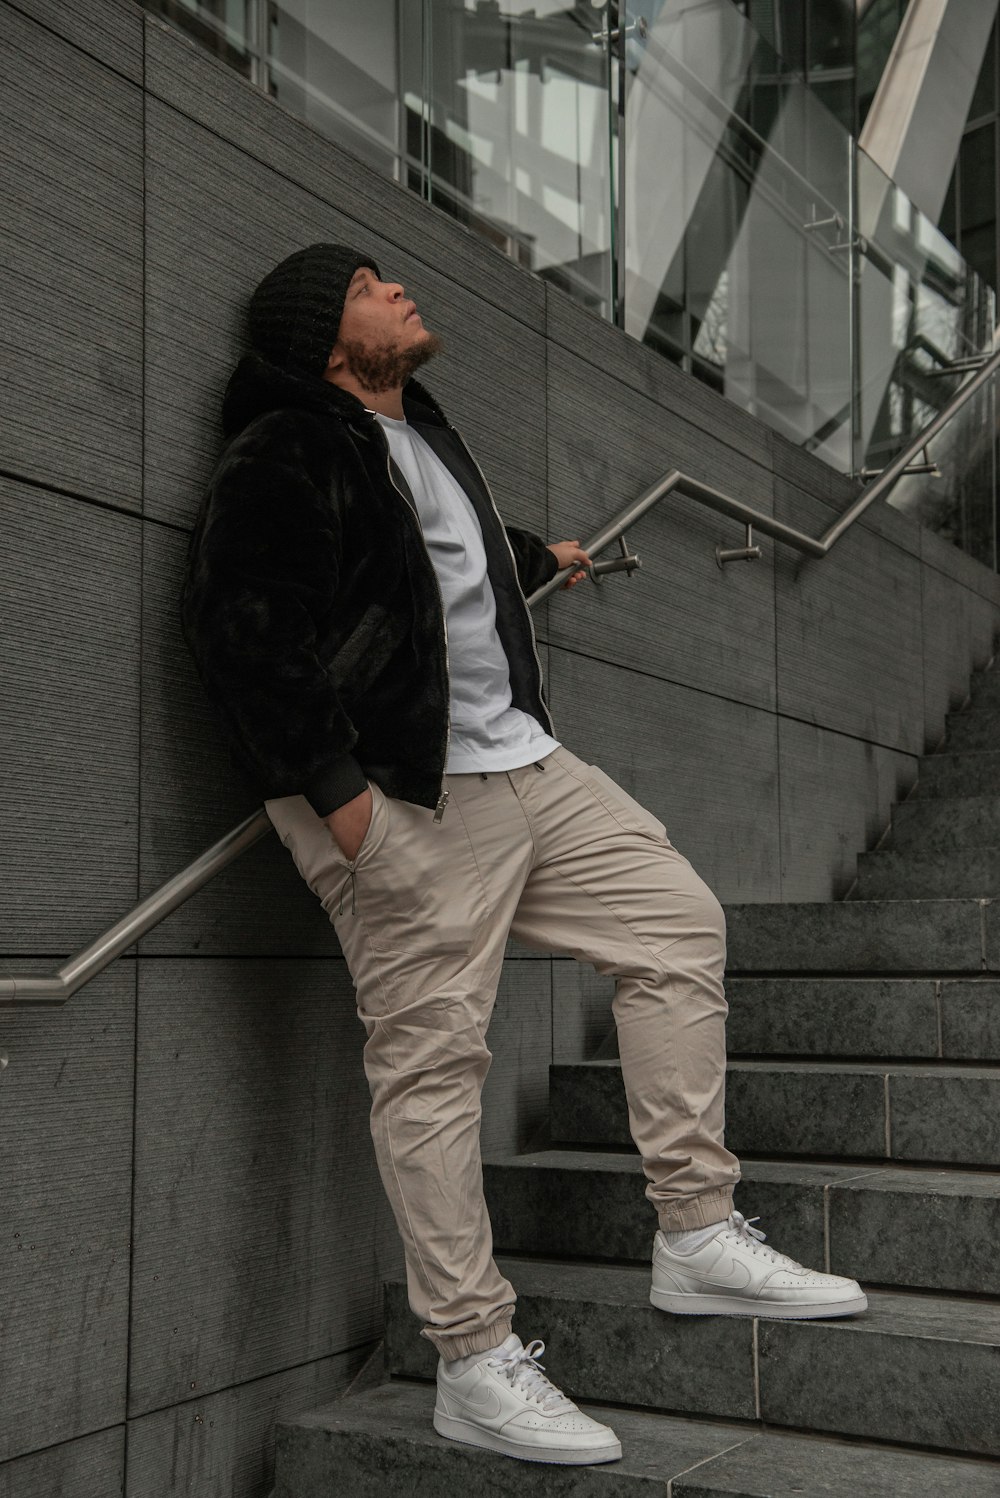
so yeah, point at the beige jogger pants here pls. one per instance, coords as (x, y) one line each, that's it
(557, 855)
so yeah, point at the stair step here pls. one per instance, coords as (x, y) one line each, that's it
(881, 1017)
(363, 1445)
(931, 1112)
(945, 823)
(972, 774)
(915, 1369)
(884, 1018)
(894, 937)
(975, 727)
(588, 1205)
(888, 874)
(887, 1018)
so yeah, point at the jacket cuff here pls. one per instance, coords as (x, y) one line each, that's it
(339, 783)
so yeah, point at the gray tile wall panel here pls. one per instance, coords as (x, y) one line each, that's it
(111, 31)
(936, 552)
(222, 1445)
(680, 617)
(66, 1168)
(837, 794)
(209, 242)
(959, 626)
(262, 1233)
(214, 96)
(802, 470)
(71, 265)
(845, 623)
(516, 1091)
(581, 1011)
(91, 1467)
(622, 359)
(706, 766)
(69, 740)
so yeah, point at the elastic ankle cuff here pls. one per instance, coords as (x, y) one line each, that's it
(698, 1211)
(450, 1348)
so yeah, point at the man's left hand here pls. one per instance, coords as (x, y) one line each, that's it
(567, 552)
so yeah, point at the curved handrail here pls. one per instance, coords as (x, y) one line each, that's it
(816, 546)
(61, 985)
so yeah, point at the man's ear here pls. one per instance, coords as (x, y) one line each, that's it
(334, 364)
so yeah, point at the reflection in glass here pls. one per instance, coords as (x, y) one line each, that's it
(738, 211)
(335, 67)
(512, 102)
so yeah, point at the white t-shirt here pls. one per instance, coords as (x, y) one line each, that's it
(487, 731)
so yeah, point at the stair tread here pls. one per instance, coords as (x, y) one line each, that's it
(932, 1067)
(982, 853)
(931, 1179)
(894, 1313)
(717, 1456)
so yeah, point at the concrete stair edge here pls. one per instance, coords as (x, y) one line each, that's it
(660, 1454)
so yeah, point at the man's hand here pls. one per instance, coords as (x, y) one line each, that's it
(567, 552)
(349, 824)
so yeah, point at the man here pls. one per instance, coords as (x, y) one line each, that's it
(357, 611)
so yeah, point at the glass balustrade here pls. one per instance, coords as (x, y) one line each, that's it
(669, 169)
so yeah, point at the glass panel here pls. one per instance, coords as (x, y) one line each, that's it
(961, 504)
(738, 222)
(224, 28)
(509, 104)
(921, 308)
(335, 67)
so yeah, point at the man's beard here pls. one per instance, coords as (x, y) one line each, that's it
(386, 367)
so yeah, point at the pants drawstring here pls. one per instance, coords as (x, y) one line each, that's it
(350, 879)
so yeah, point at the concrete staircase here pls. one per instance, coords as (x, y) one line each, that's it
(863, 1098)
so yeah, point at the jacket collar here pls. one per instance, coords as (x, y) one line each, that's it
(257, 386)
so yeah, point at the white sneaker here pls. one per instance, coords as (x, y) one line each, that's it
(506, 1403)
(733, 1274)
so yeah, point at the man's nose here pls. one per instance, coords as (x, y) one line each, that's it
(395, 291)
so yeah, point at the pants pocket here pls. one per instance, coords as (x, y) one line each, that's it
(422, 896)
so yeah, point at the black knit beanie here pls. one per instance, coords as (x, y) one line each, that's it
(294, 313)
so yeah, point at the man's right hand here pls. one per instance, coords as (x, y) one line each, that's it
(349, 824)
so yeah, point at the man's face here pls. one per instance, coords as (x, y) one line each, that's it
(381, 339)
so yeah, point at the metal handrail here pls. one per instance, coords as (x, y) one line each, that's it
(61, 985)
(816, 546)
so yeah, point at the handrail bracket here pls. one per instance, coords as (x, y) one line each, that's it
(628, 563)
(747, 553)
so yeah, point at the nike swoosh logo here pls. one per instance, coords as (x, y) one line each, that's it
(486, 1402)
(736, 1277)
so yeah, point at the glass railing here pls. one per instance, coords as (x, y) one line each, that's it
(670, 171)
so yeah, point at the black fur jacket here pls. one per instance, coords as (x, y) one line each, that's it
(310, 603)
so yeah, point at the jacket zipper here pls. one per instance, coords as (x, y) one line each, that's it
(513, 559)
(445, 795)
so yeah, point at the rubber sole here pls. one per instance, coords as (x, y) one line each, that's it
(682, 1304)
(491, 1440)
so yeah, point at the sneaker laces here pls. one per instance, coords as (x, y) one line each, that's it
(524, 1372)
(752, 1238)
